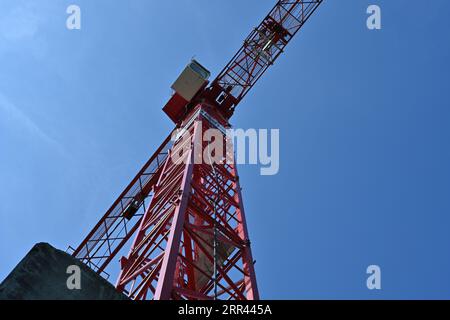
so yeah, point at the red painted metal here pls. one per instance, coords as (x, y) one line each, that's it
(191, 237)
(116, 227)
(260, 50)
(175, 107)
(171, 257)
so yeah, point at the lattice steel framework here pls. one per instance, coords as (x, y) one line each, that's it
(194, 201)
(191, 235)
(260, 50)
(122, 219)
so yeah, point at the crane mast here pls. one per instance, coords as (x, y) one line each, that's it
(187, 218)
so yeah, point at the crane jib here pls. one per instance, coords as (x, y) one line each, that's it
(259, 51)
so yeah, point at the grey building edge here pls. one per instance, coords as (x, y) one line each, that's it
(42, 275)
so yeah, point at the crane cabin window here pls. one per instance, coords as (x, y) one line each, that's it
(199, 69)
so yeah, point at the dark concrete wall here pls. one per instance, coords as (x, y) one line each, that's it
(41, 275)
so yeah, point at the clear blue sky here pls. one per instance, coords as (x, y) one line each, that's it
(363, 117)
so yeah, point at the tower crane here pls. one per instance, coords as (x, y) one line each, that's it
(191, 239)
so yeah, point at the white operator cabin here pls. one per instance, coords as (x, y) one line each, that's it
(191, 80)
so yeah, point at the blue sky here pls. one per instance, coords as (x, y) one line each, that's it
(363, 118)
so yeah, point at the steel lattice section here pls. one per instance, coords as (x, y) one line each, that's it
(115, 228)
(172, 256)
(260, 50)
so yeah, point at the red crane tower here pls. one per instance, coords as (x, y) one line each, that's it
(191, 239)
